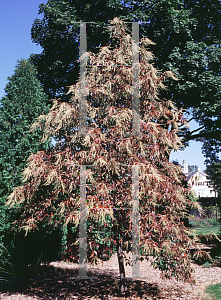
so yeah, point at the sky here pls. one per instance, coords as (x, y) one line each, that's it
(192, 154)
(16, 19)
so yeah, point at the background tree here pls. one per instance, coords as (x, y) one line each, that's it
(23, 102)
(187, 41)
(192, 168)
(50, 192)
(58, 35)
(187, 37)
(214, 174)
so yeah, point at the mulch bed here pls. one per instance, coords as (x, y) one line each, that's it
(59, 281)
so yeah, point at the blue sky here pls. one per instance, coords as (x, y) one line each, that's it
(192, 154)
(16, 19)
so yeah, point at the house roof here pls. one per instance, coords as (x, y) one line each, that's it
(189, 175)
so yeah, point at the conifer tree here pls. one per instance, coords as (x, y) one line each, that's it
(110, 151)
(23, 102)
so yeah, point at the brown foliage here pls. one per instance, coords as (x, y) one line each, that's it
(51, 180)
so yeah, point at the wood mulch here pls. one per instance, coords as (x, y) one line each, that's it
(58, 281)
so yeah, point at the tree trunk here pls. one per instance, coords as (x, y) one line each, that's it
(123, 286)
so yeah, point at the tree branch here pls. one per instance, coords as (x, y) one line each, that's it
(197, 129)
(215, 134)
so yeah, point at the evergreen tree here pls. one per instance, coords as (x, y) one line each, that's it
(23, 102)
(112, 152)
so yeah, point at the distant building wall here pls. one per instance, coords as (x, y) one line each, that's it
(198, 182)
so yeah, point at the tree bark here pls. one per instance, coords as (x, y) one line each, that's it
(123, 286)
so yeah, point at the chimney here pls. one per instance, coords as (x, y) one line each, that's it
(184, 167)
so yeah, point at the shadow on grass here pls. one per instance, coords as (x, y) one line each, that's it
(210, 244)
(47, 282)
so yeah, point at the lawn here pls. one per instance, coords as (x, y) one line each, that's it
(214, 290)
(207, 230)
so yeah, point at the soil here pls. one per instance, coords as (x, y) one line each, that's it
(60, 281)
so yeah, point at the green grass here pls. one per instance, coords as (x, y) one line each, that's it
(196, 222)
(5, 266)
(214, 291)
(207, 230)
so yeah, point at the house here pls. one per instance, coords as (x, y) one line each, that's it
(198, 182)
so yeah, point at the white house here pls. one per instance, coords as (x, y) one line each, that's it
(198, 182)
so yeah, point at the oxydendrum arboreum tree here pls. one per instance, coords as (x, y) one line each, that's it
(121, 155)
(187, 39)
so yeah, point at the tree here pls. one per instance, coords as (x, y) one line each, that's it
(23, 102)
(214, 175)
(192, 168)
(58, 35)
(187, 37)
(112, 156)
(187, 41)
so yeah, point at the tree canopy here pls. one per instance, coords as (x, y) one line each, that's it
(192, 168)
(23, 102)
(214, 174)
(110, 155)
(187, 41)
